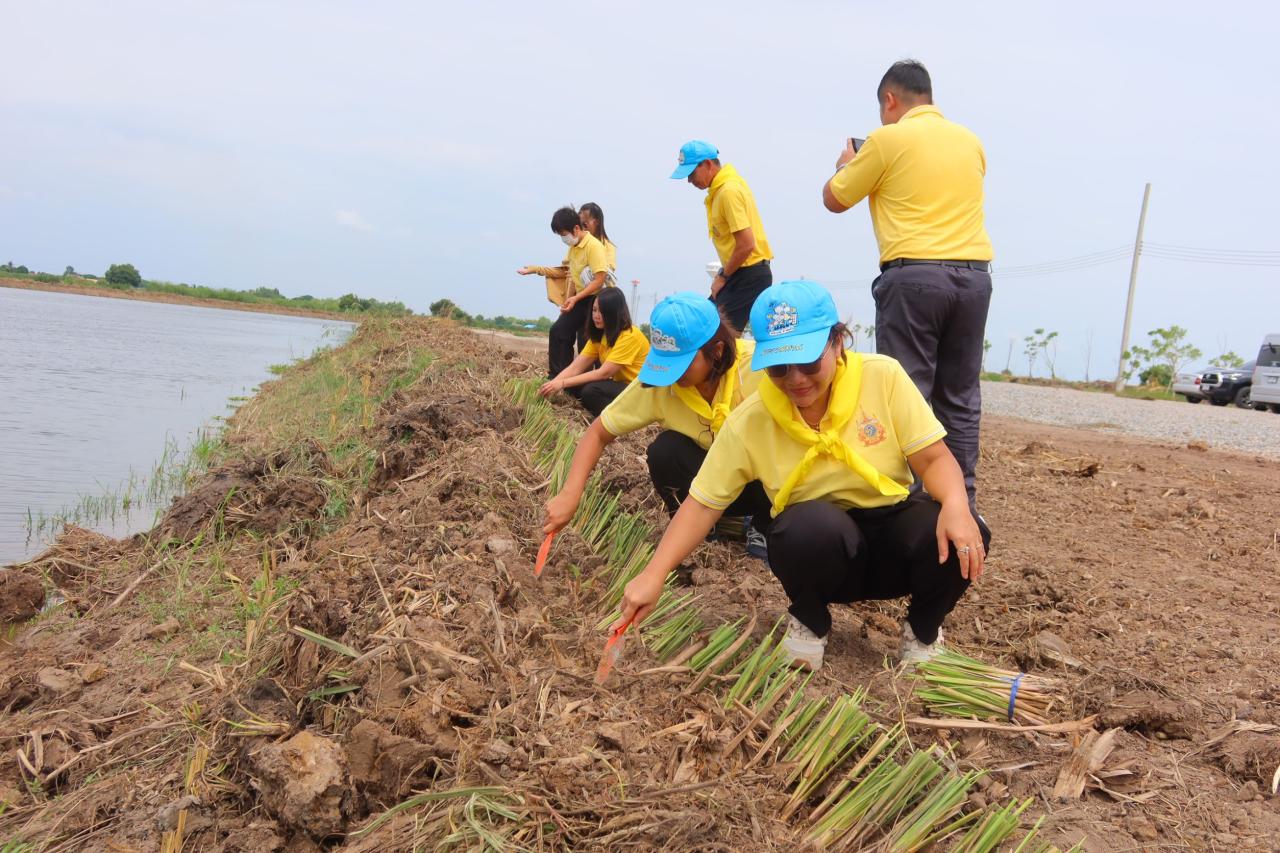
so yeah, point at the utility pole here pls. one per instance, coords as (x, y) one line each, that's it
(635, 304)
(1133, 286)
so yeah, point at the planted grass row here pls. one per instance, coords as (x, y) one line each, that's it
(884, 792)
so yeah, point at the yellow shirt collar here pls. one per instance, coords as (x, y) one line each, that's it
(727, 173)
(846, 387)
(922, 110)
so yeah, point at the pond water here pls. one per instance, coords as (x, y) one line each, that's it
(95, 392)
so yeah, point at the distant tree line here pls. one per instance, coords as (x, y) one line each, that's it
(127, 277)
(1156, 363)
(446, 308)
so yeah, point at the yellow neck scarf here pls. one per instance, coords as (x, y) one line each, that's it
(720, 406)
(846, 386)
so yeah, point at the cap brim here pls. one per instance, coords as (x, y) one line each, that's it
(792, 349)
(663, 369)
(684, 170)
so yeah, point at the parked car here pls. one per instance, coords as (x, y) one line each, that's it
(1188, 385)
(1266, 375)
(1223, 385)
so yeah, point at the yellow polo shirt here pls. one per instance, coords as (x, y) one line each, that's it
(924, 179)
(890, 422)
(610, 254)
(731, 207)
(629, 350)
(637, 406)
(585, 260)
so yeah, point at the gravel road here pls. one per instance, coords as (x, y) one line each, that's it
(1224, 428)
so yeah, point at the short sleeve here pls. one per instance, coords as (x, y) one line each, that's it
(630, 349)
(733, 208)
(725, 472)
(913, 421)
(857, 178)
(635, 408)
(597, 258)
(591, 350)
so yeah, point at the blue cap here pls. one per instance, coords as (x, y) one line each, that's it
(791, 322)
(691, 154)
(678, 326)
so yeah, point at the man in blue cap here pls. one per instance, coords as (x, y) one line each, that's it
(735, 228)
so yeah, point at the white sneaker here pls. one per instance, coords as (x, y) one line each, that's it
(913, 651)
(805, 647)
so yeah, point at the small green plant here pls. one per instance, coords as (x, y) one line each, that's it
(1167, 348)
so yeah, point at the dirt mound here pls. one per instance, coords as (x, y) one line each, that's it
(21, 595)
(259, 495)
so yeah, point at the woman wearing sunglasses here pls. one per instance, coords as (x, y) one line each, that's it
(695, 374)
(834, 437)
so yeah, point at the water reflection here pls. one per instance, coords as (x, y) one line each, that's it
(93, 390)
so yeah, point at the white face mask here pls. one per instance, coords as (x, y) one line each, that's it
(569, 239)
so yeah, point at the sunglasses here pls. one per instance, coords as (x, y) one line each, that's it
(780, 371)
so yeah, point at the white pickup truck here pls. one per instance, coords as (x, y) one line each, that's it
(1188, 385)
(1266, 375)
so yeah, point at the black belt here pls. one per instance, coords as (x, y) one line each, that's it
(765, 262)
(980, 266)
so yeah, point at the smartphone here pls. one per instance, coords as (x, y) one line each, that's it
(856, 143)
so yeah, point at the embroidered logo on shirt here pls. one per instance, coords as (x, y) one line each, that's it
(870, 430)
(782, 319)
(662, 341)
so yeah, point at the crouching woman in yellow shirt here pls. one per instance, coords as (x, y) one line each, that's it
(614, 353)
(697, 372)
(834, 437)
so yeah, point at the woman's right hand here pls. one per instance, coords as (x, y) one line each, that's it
(524, 271)
(560, 510)
(640, 597)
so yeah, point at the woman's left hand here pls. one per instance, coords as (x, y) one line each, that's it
(956, 526)
(550, 387)
(568, 304)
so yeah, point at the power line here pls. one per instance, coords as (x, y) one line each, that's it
(1189, 257)
(1164, 251)
(1091, 259)
(1257, 254)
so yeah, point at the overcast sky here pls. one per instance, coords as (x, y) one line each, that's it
(410, 151)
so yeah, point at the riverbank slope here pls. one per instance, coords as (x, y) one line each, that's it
(174, 299)
(335, 638)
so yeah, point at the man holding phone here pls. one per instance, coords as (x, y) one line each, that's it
(735, 227)
(923, 177)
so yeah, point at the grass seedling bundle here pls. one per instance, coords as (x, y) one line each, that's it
(959, 686)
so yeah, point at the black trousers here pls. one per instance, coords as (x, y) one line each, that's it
(824, 555)
(932, 320)
(595, 396)
(568, 328)
(740, 291)
(674, 460)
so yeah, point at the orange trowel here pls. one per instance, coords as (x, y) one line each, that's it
(543, 552)
(612, 650)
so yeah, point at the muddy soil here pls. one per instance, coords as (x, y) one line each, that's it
(1141, 574)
